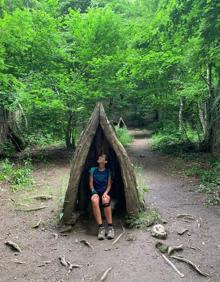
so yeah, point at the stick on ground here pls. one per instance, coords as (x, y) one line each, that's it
(195, 267)
(63, 261)
(32, 209)
(86, 243)
(36, 225)
(123, 232)
(13, 246)
(173, 266)
(105, 274)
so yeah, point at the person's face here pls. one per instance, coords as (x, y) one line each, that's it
(101, 160)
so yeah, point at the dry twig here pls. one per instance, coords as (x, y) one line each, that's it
(173, 266)
(32, 209)
(105, 274)
(123, 232)
(37, 224)
(195, 267)
(13, 246)
(86, 243)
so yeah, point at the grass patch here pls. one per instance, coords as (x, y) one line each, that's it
(123, 135)
(207, 170)
(17, 176)
(209, 176)
(144, 219)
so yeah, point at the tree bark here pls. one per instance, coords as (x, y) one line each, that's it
(181, 104)
(69, 136)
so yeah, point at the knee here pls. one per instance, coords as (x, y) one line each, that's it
(106, 202)
(95, 200)
(106, 199)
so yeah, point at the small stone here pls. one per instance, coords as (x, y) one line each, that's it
(158, 231)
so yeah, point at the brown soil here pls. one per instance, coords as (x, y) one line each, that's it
(170, 192)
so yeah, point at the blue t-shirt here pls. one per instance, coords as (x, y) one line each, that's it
(100, 178)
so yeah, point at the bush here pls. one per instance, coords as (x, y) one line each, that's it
(123, 136)
(209, 180)
(43, 140)
(17, 176)
(7, 149)
(170, 140)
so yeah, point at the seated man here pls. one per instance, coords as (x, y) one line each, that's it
(100, 185)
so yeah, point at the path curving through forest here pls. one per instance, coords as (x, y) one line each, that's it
(171, 193)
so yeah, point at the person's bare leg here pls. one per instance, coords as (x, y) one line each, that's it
(96, 209)
(107, 210)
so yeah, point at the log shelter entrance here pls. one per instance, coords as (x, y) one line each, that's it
(99, 137)
(101, 145)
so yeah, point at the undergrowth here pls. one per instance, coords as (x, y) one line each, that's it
(18, 176)
(170, 140)
(209, 176)
(123, 135)
(144, 219)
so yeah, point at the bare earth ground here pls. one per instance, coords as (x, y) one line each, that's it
(170, 192)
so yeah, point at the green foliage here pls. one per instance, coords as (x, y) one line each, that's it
(7, 149)
(144, 219)
(18, 176)
(170, 140)
(209, 176)
(123, 135)
(139, 57)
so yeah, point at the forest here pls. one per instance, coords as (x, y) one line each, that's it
(133, 85)
(155, 62)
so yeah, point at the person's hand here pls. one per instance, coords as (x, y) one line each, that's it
(105, 195)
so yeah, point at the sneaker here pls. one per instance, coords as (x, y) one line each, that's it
(101, 233)
(110, 233)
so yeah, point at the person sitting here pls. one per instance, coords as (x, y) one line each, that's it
(100, 186)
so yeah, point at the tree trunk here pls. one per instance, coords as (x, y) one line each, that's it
(181, 104)
(202, 107)
(3, 126)
(69, 136)
(208, 114)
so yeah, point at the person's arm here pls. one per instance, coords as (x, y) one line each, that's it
(91, 186)
(109, 185)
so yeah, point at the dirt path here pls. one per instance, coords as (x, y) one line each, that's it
(132, 261)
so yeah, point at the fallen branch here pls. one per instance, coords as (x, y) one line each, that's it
(173, 266)
(44, 263)
(37, 224)
(116, 240)
(71, 266)
(63, 261)
(13, 246)
(19, 262)
(183, 231)
(86, 243)
(195, 267)
(174, 249)
(187, 216)
(32, 209)
(42, 197)
(105, 274)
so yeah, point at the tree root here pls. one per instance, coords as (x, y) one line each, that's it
(195, 267)
(173, 266)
